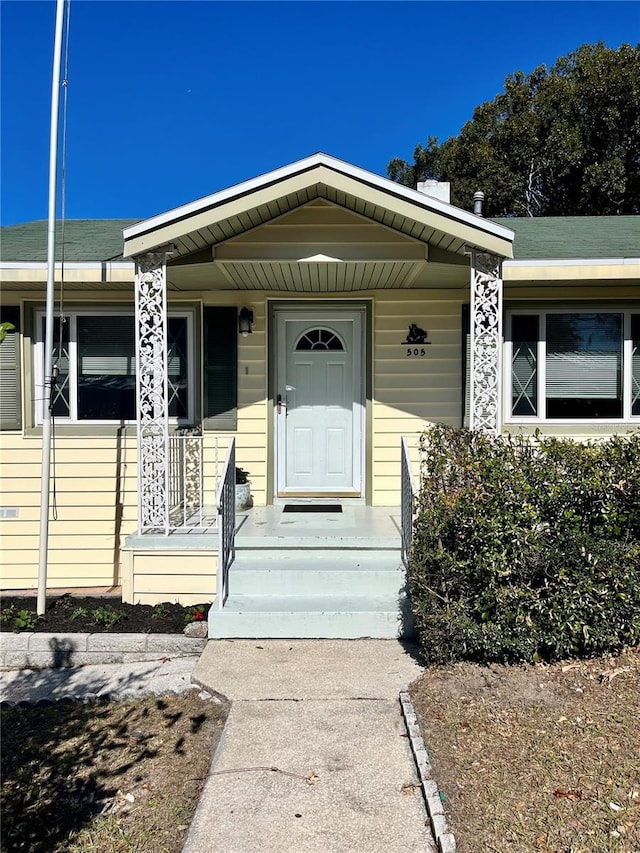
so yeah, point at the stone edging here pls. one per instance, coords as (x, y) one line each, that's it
(39, 650)
(444, 839)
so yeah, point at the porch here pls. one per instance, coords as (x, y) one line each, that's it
(299, 569)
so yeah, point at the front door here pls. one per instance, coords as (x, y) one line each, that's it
(319, 403)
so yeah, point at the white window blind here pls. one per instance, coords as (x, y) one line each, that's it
(97, 366)
(584, 356)
(106, 346)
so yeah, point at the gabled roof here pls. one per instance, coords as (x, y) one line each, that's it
(233, 211)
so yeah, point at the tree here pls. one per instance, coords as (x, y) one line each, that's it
(4, 328)
(563, 141)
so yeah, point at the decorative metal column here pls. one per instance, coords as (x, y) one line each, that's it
(486, 341)
(152, 397)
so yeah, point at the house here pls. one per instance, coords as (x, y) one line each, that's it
(298, 325)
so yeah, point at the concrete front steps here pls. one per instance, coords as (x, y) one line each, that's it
(314, 592)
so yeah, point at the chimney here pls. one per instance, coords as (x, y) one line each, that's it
(436, 189)
(478, 198)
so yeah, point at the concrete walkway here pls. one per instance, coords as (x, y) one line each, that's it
(95, 681)
(326, 714)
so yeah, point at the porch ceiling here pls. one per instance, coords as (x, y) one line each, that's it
(318, 248)
(223, 216)
(295, 277)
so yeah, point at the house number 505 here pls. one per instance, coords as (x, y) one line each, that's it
(418, 352)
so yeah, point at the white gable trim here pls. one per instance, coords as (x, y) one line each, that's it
(145, 235)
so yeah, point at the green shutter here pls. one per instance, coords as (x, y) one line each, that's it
(10, 400)
(220, 368)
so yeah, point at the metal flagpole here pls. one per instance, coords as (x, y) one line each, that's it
(48, 344)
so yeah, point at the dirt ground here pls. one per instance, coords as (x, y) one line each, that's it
(89, 614)
(537, 758)
(106, 777)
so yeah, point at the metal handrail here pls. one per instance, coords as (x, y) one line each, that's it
(226, 508)
(408, 499)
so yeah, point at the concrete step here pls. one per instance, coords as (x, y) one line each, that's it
(319, 616)
(313, 538)
(316, 572)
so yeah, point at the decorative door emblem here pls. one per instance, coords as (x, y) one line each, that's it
(416, 341)
(416, 335)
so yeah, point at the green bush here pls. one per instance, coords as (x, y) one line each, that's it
(526, 549)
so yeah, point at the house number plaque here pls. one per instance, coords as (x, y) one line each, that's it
(416, 341)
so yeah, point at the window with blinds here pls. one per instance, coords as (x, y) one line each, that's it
(574, 365)
(96, 358)
(583, 365)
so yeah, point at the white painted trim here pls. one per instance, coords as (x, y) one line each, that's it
(187, 313)
(385, 184)
(316, 315)
(541, 311)
(572, 262)
(70, 265)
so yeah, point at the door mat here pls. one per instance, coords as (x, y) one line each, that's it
(312, 508)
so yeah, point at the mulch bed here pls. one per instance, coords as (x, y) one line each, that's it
(92, 614)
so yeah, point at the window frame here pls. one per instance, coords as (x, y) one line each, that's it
(71, 315)
(541, 356)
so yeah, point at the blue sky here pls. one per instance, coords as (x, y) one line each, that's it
(170, 101)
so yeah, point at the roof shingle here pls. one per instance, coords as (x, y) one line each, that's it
(537, 238)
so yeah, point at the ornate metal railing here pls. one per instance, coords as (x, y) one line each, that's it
(186, 482)
(226, 503)
(408, 498)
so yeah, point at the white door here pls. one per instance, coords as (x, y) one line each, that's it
(319, 403)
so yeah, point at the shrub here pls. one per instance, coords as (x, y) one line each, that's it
(526, 549)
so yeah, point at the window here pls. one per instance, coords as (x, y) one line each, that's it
(96, 358)
(319, 339)
(573, 365)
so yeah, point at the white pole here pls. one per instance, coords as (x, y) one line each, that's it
(48, 341)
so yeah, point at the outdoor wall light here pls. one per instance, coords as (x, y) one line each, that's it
(245, 321)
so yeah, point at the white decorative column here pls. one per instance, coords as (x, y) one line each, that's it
(152, 396)
(486, 341)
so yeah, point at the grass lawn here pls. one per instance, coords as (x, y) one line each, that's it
(105, 777)
(537, 759)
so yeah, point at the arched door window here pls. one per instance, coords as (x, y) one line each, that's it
(319, 339)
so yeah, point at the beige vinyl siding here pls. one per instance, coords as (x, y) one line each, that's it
(410, 392)
(95, 504)
(185, 577)
(96, 507)
(251, 433)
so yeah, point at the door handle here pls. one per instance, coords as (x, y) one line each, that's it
(281, 403)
